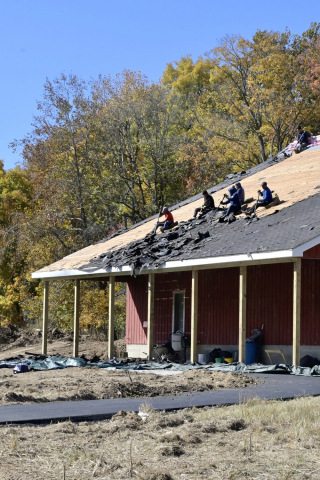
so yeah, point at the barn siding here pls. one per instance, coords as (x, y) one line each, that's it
(269, 302)
(313, 252)
(137, 310)
(218, 309)
(310, 302)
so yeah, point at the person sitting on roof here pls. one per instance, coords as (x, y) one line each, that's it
(266, 198)
(303, 138)
(240, 192)
(207, 206)
(234, 201)
(169, 220)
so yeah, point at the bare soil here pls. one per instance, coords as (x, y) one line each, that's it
(253, 440)
(92, 383)
(15, 341)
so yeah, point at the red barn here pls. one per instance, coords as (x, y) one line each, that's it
(217, 281)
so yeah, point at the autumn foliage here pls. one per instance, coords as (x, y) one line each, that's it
(109, 152)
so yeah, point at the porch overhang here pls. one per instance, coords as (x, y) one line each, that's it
(181, 265)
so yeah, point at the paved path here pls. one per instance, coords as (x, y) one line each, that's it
(275, 386)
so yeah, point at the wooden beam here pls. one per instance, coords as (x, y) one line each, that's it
(242, 313)
(76, 318)
(111, 318)
(45, 317)
(150, 315)
(194, 316)
(296, 312)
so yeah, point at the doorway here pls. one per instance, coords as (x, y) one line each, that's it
(178, 311)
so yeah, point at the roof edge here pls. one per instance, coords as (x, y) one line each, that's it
(203, 263)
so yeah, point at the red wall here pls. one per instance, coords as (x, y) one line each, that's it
(269, 302)
(310, 302)
(165, 284)
(137, 305)
(313, 252)
(218, 306)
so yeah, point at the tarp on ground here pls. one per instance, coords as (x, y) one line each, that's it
(54, 363)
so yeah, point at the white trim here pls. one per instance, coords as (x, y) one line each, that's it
(184, 308)
(125, 270)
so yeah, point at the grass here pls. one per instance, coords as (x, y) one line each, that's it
(252, 440)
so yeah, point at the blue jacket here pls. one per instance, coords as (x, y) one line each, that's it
(233, 199)
(266, 195)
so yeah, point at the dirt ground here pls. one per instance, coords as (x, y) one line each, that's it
(92, 383)
(254, 440)
(15, 341)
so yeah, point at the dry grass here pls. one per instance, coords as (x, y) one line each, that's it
(90, 383)
(254, 440)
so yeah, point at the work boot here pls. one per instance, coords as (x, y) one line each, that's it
(161, 229)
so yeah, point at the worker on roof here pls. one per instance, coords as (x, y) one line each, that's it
(169, 220)
(240, 192)
(266, 198)
(207, 206)
(233, 199)
(303, 139)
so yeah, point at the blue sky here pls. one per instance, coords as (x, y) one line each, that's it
(43, 38)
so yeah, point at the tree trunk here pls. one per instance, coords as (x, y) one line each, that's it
(262, 149)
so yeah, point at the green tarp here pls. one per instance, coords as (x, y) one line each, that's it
(53, 363)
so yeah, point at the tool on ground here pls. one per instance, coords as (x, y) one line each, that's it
(259, 343)
(257, 202)
(217, 208)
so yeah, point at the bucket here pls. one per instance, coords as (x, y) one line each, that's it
(204, 358)
(251, 353)
(229, 360)
(176, 342)
(219, 360)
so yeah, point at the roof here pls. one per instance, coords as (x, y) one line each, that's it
(280, 231)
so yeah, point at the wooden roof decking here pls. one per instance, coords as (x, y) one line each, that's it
(293, 179)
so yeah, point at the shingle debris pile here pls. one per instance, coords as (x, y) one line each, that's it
(206, 237)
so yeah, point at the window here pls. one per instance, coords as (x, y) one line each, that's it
(178, 311)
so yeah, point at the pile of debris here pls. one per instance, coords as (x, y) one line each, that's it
(15, 336)
(156, 249)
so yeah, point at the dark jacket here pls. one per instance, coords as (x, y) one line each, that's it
(304, 137)
(209, 202)
(240, 193)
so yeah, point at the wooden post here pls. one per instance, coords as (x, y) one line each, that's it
(111, 318)
(76, 318)
(194, 316)
(242, 314)
(296, 312)
(150, 315)
(45, 316)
